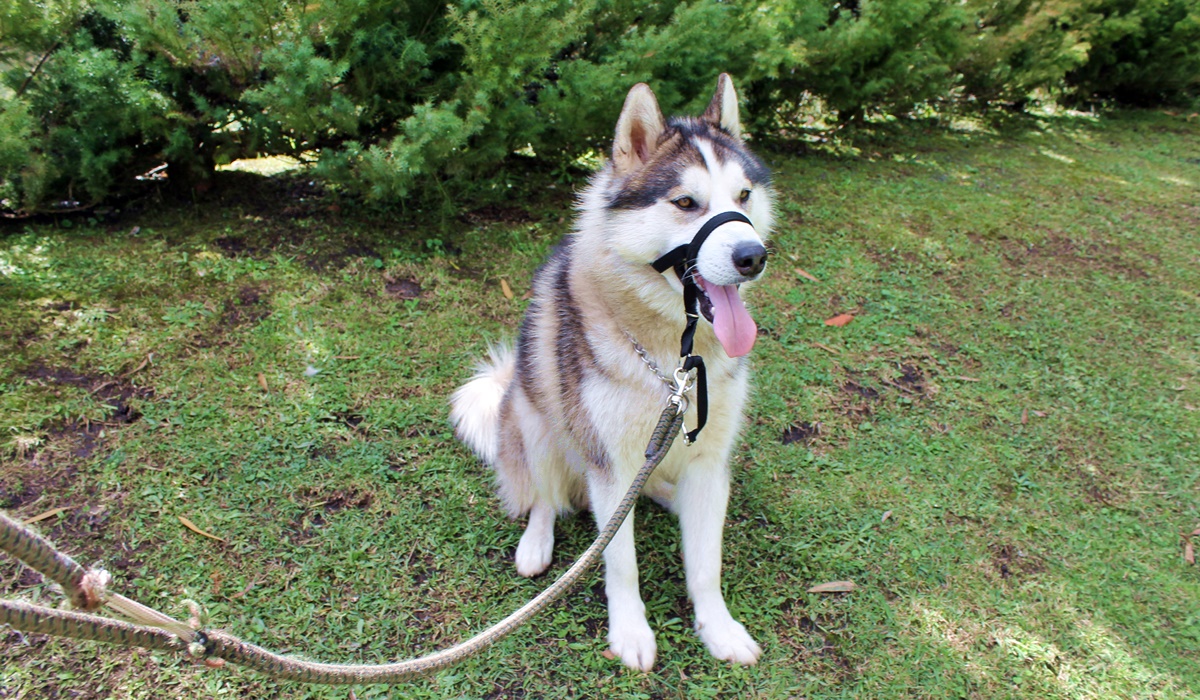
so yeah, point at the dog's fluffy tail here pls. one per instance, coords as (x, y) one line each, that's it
(475, 407)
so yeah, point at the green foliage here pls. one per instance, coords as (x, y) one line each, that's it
(871, 54)
(1141, 51)
(1017, 48)
(397, 101)
(77, 118)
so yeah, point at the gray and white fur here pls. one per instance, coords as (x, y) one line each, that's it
(563, 418)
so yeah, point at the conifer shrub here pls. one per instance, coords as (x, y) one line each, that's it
(1140, 52)
(393, 101)
(861, 55)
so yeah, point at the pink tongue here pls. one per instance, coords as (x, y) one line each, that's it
(732, 323)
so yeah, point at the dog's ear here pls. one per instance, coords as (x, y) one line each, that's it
(638, 129)
(722, 112)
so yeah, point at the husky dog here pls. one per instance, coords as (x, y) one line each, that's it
(563, 418)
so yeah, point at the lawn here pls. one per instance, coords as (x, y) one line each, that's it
(1000, 450)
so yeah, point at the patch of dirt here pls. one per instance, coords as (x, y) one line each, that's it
(334, 501)
(854, 388)
(286, 197)
(911, 379)
(816, 639)
(346, 418)
(801, 432)
(26, 483)
(1009, 561)
(249, 308)
(52, 467)
(765, 332)
(863, 391)
(324, 262)
(1058, 254)
(236, 247)
(467, 272)
(404, 289)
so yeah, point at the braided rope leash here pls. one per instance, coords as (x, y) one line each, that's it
(86, 589)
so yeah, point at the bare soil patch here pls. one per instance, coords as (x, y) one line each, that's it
(801, 432)
(1009, 561)
(404, 289)
(1058, 254)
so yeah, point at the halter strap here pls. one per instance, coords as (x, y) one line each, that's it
(683, 260)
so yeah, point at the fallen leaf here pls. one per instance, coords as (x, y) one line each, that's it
(839, 320)
(48, 514)
(139, 368)
(262, 381)
(508, 293)
(608, 654)
(192, 526)
(1189, 550)
(347, 357)
(966, 379)
(827, 349)
(834, 587)
(886, 515)
(242, 593)
(1039, 414)
(806, 276)
(1024, 416)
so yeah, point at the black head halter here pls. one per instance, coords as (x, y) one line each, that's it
(683, 260)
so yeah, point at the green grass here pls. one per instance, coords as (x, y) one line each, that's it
(1019, 395)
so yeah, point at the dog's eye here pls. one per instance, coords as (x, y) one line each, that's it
(745, 195)
(684, 203)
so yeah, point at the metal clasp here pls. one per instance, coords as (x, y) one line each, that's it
(683, 384)
(684, 381)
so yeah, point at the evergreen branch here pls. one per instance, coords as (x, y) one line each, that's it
(37, 68)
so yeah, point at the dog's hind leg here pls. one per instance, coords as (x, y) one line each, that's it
(701, 497)
(535, 479)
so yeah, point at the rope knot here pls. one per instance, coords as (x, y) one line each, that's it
(92, 591)
(198, 647)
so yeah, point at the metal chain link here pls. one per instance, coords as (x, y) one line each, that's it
(642, 353)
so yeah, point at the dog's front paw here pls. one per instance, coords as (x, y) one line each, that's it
(534, 551)
(728, 640)
(633, 642)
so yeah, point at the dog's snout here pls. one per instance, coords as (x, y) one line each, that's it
(749, 258)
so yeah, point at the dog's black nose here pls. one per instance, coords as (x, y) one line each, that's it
(749, 258)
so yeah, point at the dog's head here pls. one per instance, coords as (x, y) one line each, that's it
(671, 176)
